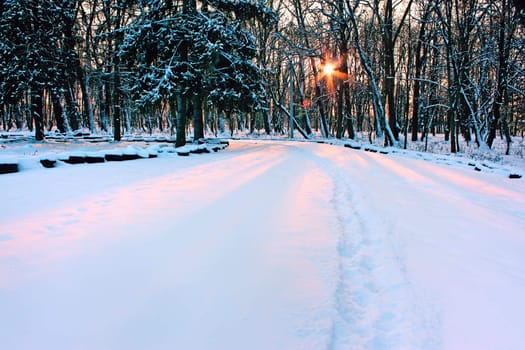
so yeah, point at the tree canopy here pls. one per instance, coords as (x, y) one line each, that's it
(114, 66)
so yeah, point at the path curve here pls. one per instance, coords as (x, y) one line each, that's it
(267, 245)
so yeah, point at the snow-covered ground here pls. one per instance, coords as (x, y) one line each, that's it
(265, 245)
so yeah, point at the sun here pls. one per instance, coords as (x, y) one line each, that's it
(328, 69)
(329, 72)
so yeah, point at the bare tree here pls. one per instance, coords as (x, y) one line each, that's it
(506, 30)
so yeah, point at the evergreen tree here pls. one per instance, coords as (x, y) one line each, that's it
(35, 56)
(191, 57)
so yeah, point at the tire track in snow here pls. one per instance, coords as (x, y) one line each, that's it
(373, 302)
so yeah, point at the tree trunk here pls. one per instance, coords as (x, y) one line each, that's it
(3, 112)
(198, 124)
(117, 109)
(221, 122)
(116, 97)
(452, 78)
(72, 116)
(37, 112)
(420, 57)
(251, 117)
(58, 112)
(86, 100)
(267, 118)
(389, 67)
(345, 86)
(349, 120)
(501, 90)
(307, 123)
(379, 111)
(340, 102)
(104, 106)
(318, 92)
(180, 138)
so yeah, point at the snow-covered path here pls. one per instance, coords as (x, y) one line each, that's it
(262, 246)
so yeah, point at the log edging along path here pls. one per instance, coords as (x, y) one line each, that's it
(204, 146)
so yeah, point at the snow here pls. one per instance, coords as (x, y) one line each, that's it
(264, 245)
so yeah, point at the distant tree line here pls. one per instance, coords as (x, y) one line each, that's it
(403, 69)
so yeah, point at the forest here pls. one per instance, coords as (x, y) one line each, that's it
(392, 70)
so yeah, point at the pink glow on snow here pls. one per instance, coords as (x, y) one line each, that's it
(266, 245)
(466, 180)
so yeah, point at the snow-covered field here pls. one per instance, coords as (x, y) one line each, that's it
(264, 245)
